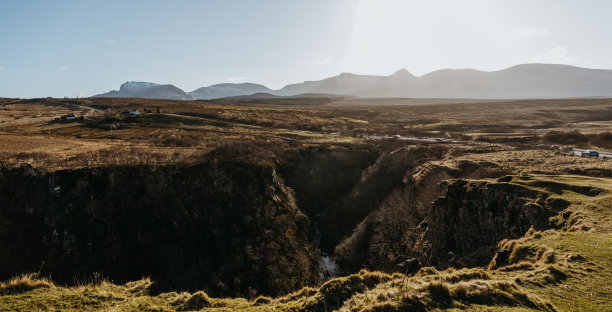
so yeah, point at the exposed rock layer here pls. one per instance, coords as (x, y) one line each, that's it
(225, 226)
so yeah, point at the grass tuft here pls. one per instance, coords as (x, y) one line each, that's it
(440, 293)
(262, 300)
(197, 301)
(23, 283)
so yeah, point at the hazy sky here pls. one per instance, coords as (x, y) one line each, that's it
(69, 48)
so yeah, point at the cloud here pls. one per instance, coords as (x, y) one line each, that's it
(63, 68)
(557, 55)
(110, 41)
(530, 32)
(1, 67)
(321, 61)
(236, 79)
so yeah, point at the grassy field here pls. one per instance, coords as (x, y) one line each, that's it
(30, 126)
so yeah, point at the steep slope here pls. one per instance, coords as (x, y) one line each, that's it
(147, 90)
(343, 84)
(225, 225)
(521, 81)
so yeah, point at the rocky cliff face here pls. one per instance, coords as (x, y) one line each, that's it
(392, 236)
(226, 226)
(474, 216)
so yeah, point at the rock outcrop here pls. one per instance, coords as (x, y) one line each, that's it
(474, 216)
(227, 226)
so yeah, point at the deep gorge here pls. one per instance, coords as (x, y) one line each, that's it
(237, 227)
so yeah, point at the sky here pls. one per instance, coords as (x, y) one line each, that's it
(85, 47)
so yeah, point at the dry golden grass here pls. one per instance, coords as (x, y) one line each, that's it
(527, 161)
(24, 283)
(363, 291)
(29, 126)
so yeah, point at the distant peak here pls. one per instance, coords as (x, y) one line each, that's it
(402, 72)
(236, 84)
(344, 77)
(135, 85)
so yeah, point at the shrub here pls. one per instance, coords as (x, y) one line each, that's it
(603, 139)
(569, 137)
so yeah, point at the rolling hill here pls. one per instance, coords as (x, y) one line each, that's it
(228, 89)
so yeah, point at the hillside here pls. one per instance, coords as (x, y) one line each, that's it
(521, 81)
(227, 90)
(526, 81)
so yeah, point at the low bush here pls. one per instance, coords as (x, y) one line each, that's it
(566, 137)
(601, 140)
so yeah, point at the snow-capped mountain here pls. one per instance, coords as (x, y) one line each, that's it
(147, 90)
(137, 85)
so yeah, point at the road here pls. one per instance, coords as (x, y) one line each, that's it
(422, 139)
(576, 151)
(602, 154)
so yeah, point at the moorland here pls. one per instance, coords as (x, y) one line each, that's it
(305, 204)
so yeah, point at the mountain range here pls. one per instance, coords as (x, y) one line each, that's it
(518, 82)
